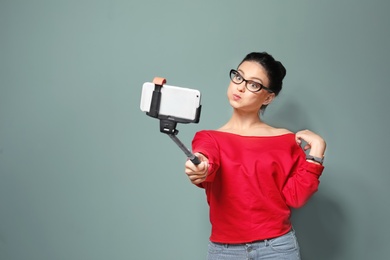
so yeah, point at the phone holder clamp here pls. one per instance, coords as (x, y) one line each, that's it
(168, 124)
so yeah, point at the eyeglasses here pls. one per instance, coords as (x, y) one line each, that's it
(250, 85)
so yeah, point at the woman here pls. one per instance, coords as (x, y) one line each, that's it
(253, 173)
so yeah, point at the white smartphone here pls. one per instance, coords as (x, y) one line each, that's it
(176, 102)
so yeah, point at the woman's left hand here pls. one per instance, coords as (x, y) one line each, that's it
(314, 142)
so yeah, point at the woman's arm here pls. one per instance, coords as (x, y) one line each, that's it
(304, 180)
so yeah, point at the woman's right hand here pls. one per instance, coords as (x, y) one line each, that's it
(197, 173)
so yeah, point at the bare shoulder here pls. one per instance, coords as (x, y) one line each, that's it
(281, 131)
(271, 131)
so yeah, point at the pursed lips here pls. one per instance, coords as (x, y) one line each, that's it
(236, 97)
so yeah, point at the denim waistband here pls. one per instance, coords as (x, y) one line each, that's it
(253, 243)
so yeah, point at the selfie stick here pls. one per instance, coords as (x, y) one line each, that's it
(168, 123)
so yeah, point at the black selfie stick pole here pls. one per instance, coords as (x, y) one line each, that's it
(195, 160)
(167, 124)
(168, 127)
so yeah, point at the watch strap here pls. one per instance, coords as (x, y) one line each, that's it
(314, 158)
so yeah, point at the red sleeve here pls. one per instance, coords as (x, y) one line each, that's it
(205, 144)
(303, 181)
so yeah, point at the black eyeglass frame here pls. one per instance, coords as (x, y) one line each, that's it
(233, 74)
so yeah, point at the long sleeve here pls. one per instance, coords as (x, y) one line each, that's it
(303, 181)
(205, 144)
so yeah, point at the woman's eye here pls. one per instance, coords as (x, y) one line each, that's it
(238, 77)
(254, 85)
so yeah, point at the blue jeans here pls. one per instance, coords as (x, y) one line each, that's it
(284, 247)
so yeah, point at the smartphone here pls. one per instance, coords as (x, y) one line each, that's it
(178, 103)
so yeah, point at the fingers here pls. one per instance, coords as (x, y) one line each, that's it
(303, 134)
(197, 173)
(313, 141)
(197, 179)
(307, 147)
(307, 136)
(191, 167)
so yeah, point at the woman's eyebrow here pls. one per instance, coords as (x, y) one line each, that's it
(242, 73)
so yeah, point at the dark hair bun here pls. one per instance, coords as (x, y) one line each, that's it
(282, 70)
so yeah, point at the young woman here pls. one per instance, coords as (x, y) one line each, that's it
(253, 173)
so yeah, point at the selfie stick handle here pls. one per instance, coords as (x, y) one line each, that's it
(195, 160)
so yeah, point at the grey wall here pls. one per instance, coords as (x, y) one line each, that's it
(84, 174)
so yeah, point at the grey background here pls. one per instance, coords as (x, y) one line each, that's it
(84, 174)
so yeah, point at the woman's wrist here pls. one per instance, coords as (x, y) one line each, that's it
(314, 159)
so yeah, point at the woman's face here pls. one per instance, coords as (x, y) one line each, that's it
(241, 98)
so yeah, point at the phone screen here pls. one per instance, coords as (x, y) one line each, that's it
(176, 102)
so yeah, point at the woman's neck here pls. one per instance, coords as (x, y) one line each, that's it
(243, 122)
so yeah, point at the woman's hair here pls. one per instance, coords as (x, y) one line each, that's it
(275, 70)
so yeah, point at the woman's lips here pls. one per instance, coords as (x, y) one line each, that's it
(236, 97)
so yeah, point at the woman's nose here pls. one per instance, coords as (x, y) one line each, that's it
(241, 87)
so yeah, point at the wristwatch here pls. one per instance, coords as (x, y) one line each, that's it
(316, 159)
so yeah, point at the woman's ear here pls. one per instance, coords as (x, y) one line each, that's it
(269, 99)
